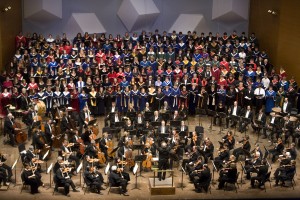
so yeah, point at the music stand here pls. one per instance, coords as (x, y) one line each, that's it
(79, 170)
(235, 119)
(134, 171)
(165, 116)
(119, 124)
(155, 124)
(163, 135)
(132, 132)
(182, 171)
(259, 127)
(176, 123)
(44, 157)
(201, 112)
(131, 115)
(140, 159)
(14, 167)
(49, 171)
(211, 113)
(148, 115)
(138, 147)
(243, 171)
(213, 174)
(183, 134)
(222, 115)
(247, 121)
(92, 122)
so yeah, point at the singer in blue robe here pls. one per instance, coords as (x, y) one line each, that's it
(126, 99)
(221, 95)
(119, 102)
(134, 98)
(83, 97)
(175, 97)
(143, 100)
(270, 99)
(167, 92)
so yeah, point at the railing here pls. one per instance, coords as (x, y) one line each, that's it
(163, 170)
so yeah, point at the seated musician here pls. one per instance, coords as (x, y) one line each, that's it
(124, 139)
(59, 162)
(223, 155)
(165, 108)
(110, 111)
(229, 140)
(220, 108)
(202, 179)
(63, 178)
(94, 179)
(183, 111)
(246, 146)
(183, 127)
(148, 127)
(149, 150)
(156, 117)
(6, 168)
(65, 124)
(115, 118)
(147, 108)
(139, 120)
(192, 157)
(285, 172)
(227, 174)
(274, 126)
(208, 150)
(248, 114)
(261, 171)
(9, 128)
(251, 163)
(78, 142)
(32, 177)
(128, 126)
(293, 151)
(91, 149)
(286, 106)
(233, 111)
(103, 144)
(287, 129)
(163, 128)
(277, 150)
(175, 116)
(67, 152)
(260, 121)
(116, 179)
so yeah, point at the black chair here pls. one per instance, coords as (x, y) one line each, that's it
(24, 184)
(114, 187)
(205, 186)
(57, 185)
(289, 179)
(267, 179)
(86, 185)
(233, 182)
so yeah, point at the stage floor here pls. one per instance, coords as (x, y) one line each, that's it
(187, 192)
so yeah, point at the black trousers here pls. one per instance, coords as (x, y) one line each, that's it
(162, 165)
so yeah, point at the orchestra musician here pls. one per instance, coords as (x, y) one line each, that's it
(287, 128)
(220, 108)
(5, 170)
(229, 140)
(176, 116)
(208, 150)
(223, 155)
(285, 172)
(68, 154)
(156, 117)
(261, 171)
(246, 113)
(163, 128)
(62, 177)
(250, 164)
(277, 150)
(9, 128)
(274, 126)
(32, 177)
(246, 146)
(233, 111)
(202, 179)
(192, 157)
(94, 178)
(286, 106)
(111, 110)
(65, 125)
(83, 115)
(77, 141)
(227, 174)
(116, 179)
(260, 121)
(48, 133)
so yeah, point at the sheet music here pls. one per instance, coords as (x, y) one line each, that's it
(79, 168)
(107, 168)
(135, 168)
(13, 166)
(49, 168)
(45, 155)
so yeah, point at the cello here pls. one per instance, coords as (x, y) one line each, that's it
(147, 163)
(21, 136)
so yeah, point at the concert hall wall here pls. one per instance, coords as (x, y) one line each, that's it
(278, 34)
(10, 26)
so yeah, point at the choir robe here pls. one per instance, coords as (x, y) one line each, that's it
(41, 96)
(58, 97)
(175, 98)
(193, 100)
(284, 84)
(216, 73)
(167, 97)
(75, 101)
(184, 98)
(119, 103)
(212, 101)
(251, 74)
(142, 101)
(270, 100)
(126, 100)
(49, 101)
(82, 100)
(134, 98)
(221, 96)
(66, 98)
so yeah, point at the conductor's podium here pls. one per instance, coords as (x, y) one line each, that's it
(163, 187)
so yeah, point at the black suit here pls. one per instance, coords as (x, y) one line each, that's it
(156, 120)
(81, 120)
(261, 175)
(48, 134)
(163, 164)
(229, 175)
(288, 108)
(65, 125)
(71, 157)
(9, 129)
(262, 122)
(93, 179)
(61, 179)
(116, 180)
(242, 123)
(238, 112)
(160, 129)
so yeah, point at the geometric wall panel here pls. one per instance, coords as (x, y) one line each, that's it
(189, 22)
(42, 10)
(230, 11)
(138, 14)
(84, 22)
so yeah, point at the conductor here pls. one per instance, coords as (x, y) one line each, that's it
(163, 162)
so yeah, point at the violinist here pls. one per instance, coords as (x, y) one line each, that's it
(261, 172)
(251, 164)
(246, 146)
(62, 177)
(94, 178)
(9, 128)
(91, 149)
(277, 150)
(223, 155)
(285, 172)
(68, 154)
(6, 170)
(229, 140)
(192, 157)
(116, 179)
(208, 149)
(192, 168)
(78, 143)
(202, 179)
(228, 174)
(32, 177)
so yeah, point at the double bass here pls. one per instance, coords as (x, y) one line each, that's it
(21, 136)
